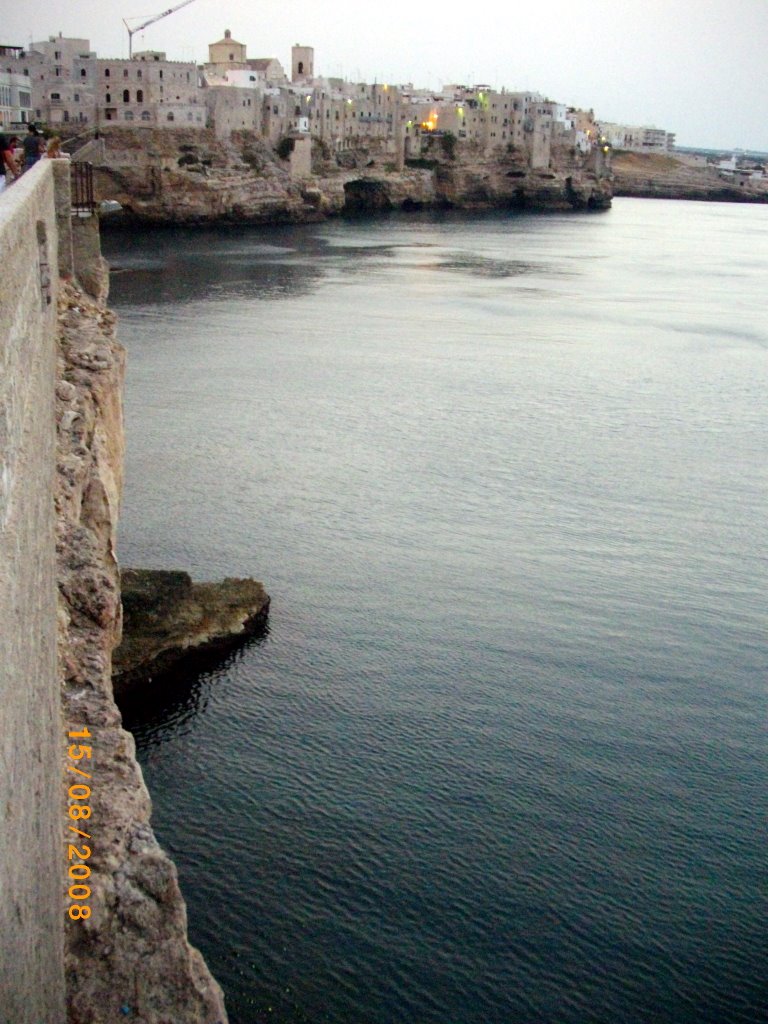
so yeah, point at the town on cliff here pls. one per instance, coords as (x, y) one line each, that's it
(245, 139)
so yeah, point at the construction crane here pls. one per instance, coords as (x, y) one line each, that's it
(151, 21)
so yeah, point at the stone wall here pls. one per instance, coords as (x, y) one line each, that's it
(61, 458)
(31, 737)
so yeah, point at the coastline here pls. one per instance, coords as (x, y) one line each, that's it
(191, 177)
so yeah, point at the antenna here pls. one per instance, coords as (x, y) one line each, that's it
(151, 21)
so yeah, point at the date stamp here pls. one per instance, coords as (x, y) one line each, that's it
(79, 811)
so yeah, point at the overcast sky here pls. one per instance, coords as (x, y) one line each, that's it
(695, 67)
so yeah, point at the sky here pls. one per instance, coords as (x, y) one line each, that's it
(698, 68)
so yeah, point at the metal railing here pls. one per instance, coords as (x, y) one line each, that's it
(82, 188)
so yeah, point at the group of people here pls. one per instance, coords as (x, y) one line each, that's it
(17, 156)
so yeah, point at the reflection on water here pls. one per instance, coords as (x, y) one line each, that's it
(183, 266)
(167, 705)
(483, 266)
(501, 758)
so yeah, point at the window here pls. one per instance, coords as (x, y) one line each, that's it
(55, 96)
(76, 97)
(161, 72)
(106, 72)
(170, 116)
(231, 56)
(126, 96)
(57, 55)
(145, 116)
(301, 67)
(138, 73)
(129, 115)
(109, 97)
(125, 72)
(83, 73)
(139, 95)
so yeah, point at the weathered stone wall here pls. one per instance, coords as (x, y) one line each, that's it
(31, 737)
(61, 457)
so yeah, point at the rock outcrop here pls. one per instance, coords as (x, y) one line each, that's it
(130, 958)
(659, 176)
(188, 176)
(168, 619)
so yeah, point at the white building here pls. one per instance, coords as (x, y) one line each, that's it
(15, 90)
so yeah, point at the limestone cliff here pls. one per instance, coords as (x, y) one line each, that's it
(130, 959)
(661, 176)
(190, 176)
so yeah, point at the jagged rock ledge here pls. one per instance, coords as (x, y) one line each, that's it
(666, 176)
(130, 959)
(191, 177)
(168, 619)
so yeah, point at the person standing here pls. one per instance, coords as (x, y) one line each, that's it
(8, 163)
(33, 147)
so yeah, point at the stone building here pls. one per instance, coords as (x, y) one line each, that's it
(148, 89)
(70, 84)
(638, 139)
(227, 53)
(302, 63)
(15, 89)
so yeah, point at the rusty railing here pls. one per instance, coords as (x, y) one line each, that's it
(82, 188)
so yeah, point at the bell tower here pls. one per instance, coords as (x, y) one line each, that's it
(302, 63)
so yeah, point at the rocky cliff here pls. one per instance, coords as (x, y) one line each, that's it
(659, 176)
(189, 176)
(130, 959)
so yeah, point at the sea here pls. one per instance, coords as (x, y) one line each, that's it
(499, 756)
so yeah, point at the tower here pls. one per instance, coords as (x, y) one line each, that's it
(302, 63)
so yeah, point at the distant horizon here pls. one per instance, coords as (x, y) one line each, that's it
(693, 72)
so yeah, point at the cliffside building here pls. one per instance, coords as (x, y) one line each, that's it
(15, 89)
(148, 89)
(638, 139)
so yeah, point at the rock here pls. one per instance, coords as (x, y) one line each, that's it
(156, 176)
(167, 617)
(128, 956)
(665, 176)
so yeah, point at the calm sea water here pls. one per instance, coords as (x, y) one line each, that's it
(500, 757)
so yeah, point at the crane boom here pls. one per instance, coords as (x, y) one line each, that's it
(151, 21)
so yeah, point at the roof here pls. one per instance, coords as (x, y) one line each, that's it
(261, 63)
(227, 41)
